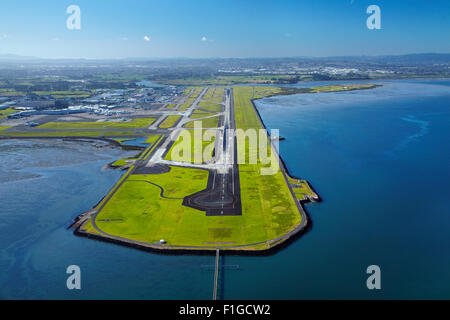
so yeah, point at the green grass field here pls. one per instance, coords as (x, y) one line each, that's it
(199, 152)
(121, 162)
(200, 114)
(75, 125)
(169, 122)
(267, 195)
(137, 210)
(151, 139)
(300, 186)
(133, 124)
(211, 107)
(145, 216)
(184, 106)
(171, 181)
(93, 133)
(6, 112)
(206, 123)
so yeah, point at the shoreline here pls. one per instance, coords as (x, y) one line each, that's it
(274, 245)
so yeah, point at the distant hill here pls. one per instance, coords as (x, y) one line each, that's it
(12, 57)
(416, 58)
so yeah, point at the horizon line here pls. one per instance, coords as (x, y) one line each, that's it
(9, 56)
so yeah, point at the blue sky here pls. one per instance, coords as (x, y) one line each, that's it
(231, 28)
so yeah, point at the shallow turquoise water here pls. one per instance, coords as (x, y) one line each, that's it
(378, 158)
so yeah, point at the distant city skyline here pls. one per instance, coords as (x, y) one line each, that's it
(222, 29)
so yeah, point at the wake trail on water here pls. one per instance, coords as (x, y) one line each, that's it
(423, 130)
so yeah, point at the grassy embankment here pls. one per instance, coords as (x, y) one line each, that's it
(266, 199)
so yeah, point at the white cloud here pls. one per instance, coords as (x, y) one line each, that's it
(204, 39)
(147, 38)
(124, 39)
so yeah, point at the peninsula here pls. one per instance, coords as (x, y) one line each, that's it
(214, 197)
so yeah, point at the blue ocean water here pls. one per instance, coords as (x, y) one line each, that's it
(43, 186)
(380, 161)
(378, 158)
